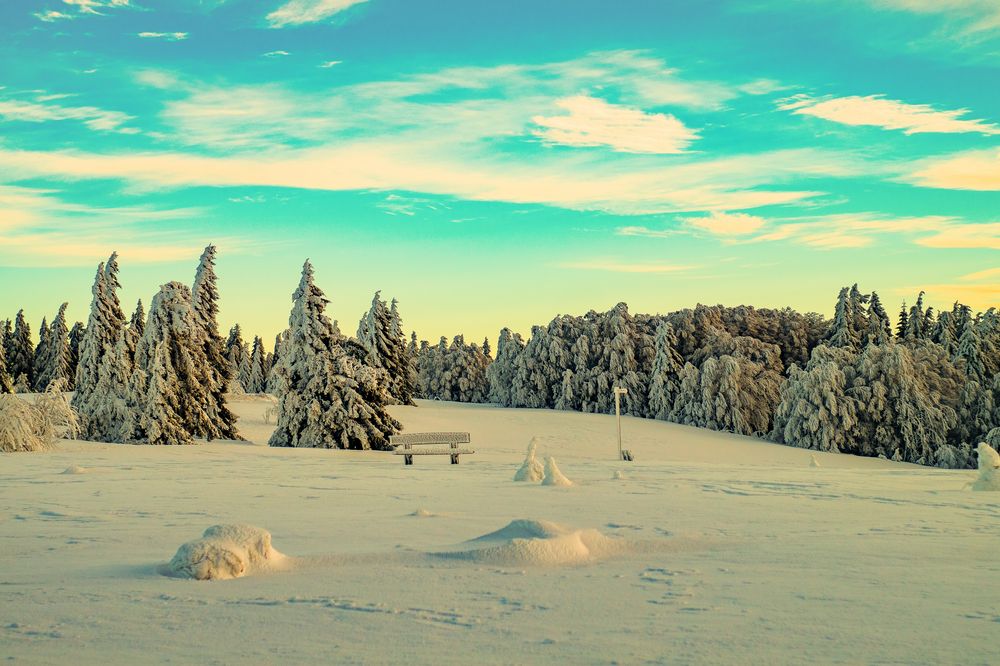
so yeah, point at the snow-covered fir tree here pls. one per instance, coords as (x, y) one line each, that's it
(19, 356)
(328, 399)
(878, 329)
(816, 410)
(236, 352)
(665, 379)
(112, 417)
(500, 373)
(55, 362)
(221, 423)
(380, 332)
(75, 339)
(39, 355)
(104, 325)
(180, 378)
(6, 382)
(162, 410)
(257, 379)
(135, 328)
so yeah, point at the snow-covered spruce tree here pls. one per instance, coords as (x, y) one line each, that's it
(55, 364)
(161, 409)
(39, 355)
(273, 382)
(688, 401)
(816, 410)
(113, 416)
(850, 321)
(620, 363)
(977, 401)
(257, 379)
(500, 374)
(916, 320)
(180, 379)
(901, 322)
(104, 325)
(6, 336)
(221, 423)
(236, 352)
(898, 416)
(6, 382)
(19, 356)
(328, 399)
(878, 329)
(380, 332)
(136, 326)
(75, 338)
(665, 379)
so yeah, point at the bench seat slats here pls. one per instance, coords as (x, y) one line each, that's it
(432, 452)
(430, 438)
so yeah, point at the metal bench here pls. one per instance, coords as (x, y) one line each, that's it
(404, 445)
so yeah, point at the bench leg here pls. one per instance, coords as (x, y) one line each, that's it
(454, 459)
(407, 460)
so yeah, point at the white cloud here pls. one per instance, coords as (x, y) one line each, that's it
(276, 54)
(970, 170)
(330, 63)
(875, 110)
(647, 232)
(978, 16)
(613, 267)
(298, 12)
(594, 122)
(51, 16)
(38, 223)
(91, 6)
(727, 224)
(91, 116)
(168, 36)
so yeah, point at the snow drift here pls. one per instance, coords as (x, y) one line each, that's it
(224, 552)
(528, 542)
(989, 468)
(553, 476)
(530, 469)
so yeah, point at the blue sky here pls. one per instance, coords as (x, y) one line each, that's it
(496, 164)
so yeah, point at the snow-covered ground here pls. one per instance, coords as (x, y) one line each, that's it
(709, 548)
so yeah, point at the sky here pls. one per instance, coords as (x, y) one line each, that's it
(496, 164)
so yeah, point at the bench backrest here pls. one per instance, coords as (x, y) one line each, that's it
(430, 438)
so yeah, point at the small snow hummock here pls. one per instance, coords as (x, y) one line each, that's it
(812, 461)
(989, 468)
(553, 477)
(531, 469)
(224, 552)
(618, 475)
(541, 543)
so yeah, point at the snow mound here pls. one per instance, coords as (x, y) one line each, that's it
(554, 477)
(618, 475)
(812, 460)
(535, 542)
(989, 468)
(75, 469)
(423, 513)
(531, 469)
(224, 552)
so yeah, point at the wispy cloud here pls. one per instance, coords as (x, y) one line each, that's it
(612, 267)
(92, 6)
(877, 111)
(835, 231)
(298, 12)
(38, 223)
(52, 16)
(975, 16)
(276, 54)
(330, 63)
(987, 274)
(970, 170)
(39, 112)
(727, 224)
(168, 36)
(594, 122)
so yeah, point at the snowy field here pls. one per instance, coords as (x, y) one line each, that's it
(710, 548)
